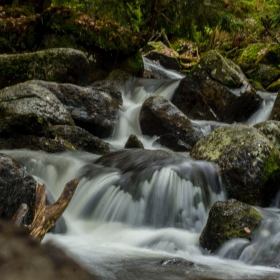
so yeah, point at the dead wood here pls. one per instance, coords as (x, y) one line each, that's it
(46, 215)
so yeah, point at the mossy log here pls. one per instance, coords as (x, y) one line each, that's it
(45, 215)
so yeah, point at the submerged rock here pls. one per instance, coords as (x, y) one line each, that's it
(227, 220)
(216, 89)
(158, 116)
(94, 110)
(133, 142)
(249, 162)
(16, 187)
(25, 99)
(62, 65)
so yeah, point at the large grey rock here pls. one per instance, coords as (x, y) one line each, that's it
(249, 162)
(25, 99)
(60, 65)
(94, 110)
(216, 89)
(158, 116)
(227, 220)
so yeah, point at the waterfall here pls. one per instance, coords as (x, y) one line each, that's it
(138, 214)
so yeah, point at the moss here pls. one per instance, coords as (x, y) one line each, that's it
(271, 168)
(274, 87)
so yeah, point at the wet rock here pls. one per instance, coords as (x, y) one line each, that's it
(227, 220)
(249, 162)
(165, 56)
(133, 142)
(216, 89)
(176, 262)
(275, 113)
(173, 142)
(271, 129)
(116, 84)
(23, 258)
(62, 65)
(31, 101)
(79, 138)
(94, 110)
(35, 143)
(16, 187)
(158, 116)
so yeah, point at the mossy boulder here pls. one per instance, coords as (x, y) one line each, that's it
(159, 116)
(94, 110)
(227, 220)
(165, 56)
(261, 62)
(216, 89)
(79, 139)
(271, 129)
(274, 87)
(57, 65)
(31, 100)
(248, 160)
(133, 143)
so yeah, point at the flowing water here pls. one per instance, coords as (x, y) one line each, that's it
(138, 214)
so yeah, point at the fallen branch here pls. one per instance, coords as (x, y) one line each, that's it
(45, 215)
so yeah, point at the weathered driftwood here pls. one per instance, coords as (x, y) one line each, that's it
(45, 215)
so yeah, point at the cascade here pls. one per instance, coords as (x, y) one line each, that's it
(138, 214)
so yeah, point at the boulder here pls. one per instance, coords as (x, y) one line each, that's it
(35, 143)
(275, 113)
(16, 187)
(165, 56)
(61, 65)
(92, 109)
(216, 89)
(271, 129)
(260, 62)
(133, 143)
(158, 116)
(249, 162)
(173, 142)
(34, 102)
(79, 138)
(227, 220)
(116, 84)
(23, 258)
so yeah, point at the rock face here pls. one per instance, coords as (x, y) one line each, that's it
(60, 65)
(227, 220)
(249, 162)
(16, 187)
(79, 138)
(23, 258)
(158, 116)
(27, 99)
(172, 142)
(216, 89)
(94, 110)
(275, 113)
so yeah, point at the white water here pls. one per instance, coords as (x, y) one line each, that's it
(134, 209)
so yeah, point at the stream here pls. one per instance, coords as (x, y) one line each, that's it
(138, 214)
